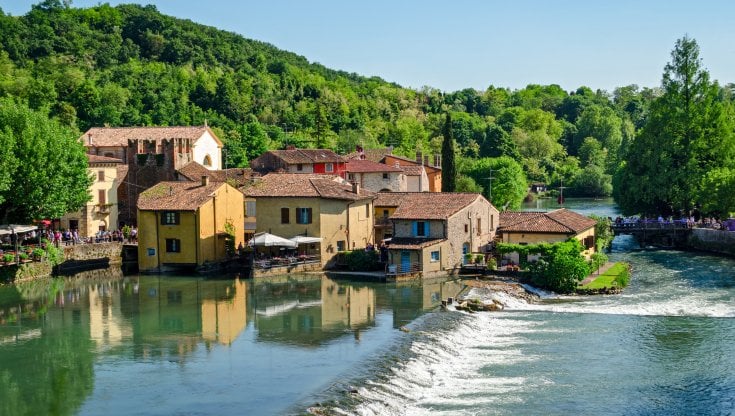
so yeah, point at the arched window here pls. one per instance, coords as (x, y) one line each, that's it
(207, 161)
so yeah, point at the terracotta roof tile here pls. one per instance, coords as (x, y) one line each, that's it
(432, 205)
(373, 155)
(406, 243)
(389, 199)
(560, 221)
(101, 159)
(412, 170)
(119, 136)
(367, 166)
(236, 177)
(296, 156)
(176, 196)
(304, 185)
(404, 161)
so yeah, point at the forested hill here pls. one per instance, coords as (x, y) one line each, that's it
(130, 65)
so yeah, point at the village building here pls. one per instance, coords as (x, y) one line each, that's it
(99, 213)
(546, 227)
(425, 176)
(376, 177)
(185, 224)
(151, 155)
(312, 205)
(292, 160)
(434, 232)
(385, 205)
(236, 177)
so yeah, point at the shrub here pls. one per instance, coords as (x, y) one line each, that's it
(492, 264)
(623, 278)
(23, 256)
(8, 258)
(597, 260)
(362, 260)
(479, 259)
(54, 254)
(38, 253)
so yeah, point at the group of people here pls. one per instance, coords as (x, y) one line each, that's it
(72, 237)
(684, 221)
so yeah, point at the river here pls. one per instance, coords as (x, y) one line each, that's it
(163, 345)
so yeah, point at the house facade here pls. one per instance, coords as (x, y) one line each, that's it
(313, 205)
(431, 182)
(291, 160)
(546, 227)
(100, 213)
(183, 224)
(432, 232)
(376, 177)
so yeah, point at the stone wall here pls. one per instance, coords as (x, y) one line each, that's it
(25, 272)
(82, 252)
(715, 241)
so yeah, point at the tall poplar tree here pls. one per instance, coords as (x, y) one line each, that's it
(689, 132)
(449, 169)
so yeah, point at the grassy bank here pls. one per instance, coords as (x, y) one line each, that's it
(613, 279)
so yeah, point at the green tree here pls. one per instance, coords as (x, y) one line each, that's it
(449, 170)
(689, 132)
(467, 184)
(509, 185)
(562, 268)
(50, 178)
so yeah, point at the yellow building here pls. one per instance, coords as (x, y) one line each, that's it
(546, 227)
(100, 213)
(314, 205)
(182, 224)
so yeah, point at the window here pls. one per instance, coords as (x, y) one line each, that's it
(170, 218)
(466, 228)
(367, 210)
(329, 167)
(299, 167)
(108, 154)
(351, 177)
(173, 245)
(102, 196)
(207, 161)
(284, 216)
(385, 213)
(100, 176)
(303, 215)
(420, 229)
(341, 245)
(479, 225)
(250, 208)
(386, 175)
(435, 256)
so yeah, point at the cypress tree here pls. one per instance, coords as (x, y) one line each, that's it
(449, 170)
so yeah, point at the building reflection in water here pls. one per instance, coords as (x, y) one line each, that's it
(311, 311)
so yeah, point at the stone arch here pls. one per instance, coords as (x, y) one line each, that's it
(207, 161)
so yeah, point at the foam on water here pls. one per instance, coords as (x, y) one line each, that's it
(442, 365)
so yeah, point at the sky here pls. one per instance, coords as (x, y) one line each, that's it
(457, 44)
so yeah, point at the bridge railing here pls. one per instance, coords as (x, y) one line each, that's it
(653, 225)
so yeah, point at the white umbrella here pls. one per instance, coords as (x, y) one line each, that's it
(270, 240)
(18, 229)
(301, 239)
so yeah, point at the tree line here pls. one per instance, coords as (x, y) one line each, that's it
(130, 65)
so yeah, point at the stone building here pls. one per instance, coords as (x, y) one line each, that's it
(376, 177)
(150, 155)
(432, 232)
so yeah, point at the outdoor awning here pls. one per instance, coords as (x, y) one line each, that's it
(18, 229)
(300, 239)
(270, 240)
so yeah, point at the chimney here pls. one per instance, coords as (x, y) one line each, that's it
(356, 188)
(205, 180)
(437, 161)
(426, 160)
(290, 147)
(89, 137)
(418, 157)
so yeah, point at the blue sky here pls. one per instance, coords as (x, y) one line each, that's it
(459, 44)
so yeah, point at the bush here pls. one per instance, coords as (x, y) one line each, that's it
(23, 256)
(362, 260)
(492, 264)
(479, 259)
(623, 278)
(55, 255)
(562, 269)
(38, 253)
(8, 258)
(597, 260)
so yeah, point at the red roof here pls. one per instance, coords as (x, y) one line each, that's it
(119, 136)
(368, 166)
(432, 205)
(560, 221)
(304, 185)
(102, 159)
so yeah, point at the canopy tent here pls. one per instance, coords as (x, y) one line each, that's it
(17, 229)
(270, 240)
(301, 239)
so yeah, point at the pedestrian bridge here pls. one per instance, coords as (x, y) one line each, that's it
(655, 233)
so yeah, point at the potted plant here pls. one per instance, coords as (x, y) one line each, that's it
(479, 259)
(8, 258)
(38, 254)
(23, 257)
(468, 258)
(491, 263)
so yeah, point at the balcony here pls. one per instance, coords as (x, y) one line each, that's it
(383, 222)
(103, 208)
